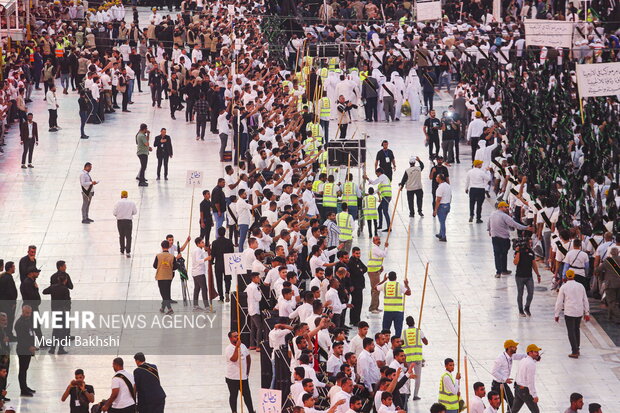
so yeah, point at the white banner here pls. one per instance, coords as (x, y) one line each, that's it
(497, 10)
(270, 401)
(598, 79)
(552, 33)
(429, 10)
(233, 264)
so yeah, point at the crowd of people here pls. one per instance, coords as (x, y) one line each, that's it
(294, 217)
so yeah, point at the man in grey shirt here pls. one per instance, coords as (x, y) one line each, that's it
(412, 181)
(576, 403)
(499, 226)
(143, 149)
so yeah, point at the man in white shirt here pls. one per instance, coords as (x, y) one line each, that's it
(574, 300)
(477, 404)
(475, 185)
(525, 382)
(502, 368)
(336, 359)
(494, 402)
(234, 354)
(122, 397)
(52, 107)
(332, 297)
(442, 205)
(124, 210)
(474, 131)
(345, 394)
(87, 184)
(367, 365)
(199, 258)
(244, 216)
(254, 296)
(247, 257)
(578, 261)
(357, 341)
(449, 387)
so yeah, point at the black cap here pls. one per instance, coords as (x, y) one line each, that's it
(33, 269)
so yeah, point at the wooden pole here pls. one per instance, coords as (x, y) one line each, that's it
(407, 254)
(239, 336)
(466, 384)
(393, 214)
(346, 178)
(458, 352)
(423, 295)
(501, 396)
(581, 107)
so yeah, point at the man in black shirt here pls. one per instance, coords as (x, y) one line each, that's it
(218, 204)
(525, 260)
(61, 302)
(449, 138)
(357, 269)
(27, 261)
(219, 247)
(25, 348)
(8, 297)
(151, 396)
(431, 131)
(206, 220)
(61, 266)
(80, 394)
(385, 160)
(437, 169)
(85, 111)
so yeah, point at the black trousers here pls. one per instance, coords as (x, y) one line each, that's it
(428, 99)
(370, 224)
(144, 159)
(476, 198)
(53, 121)
(8, 307)
(205, 233)
(28, 150)
(233, 390)
(357, 297)
(200, 284)
(457, 143)
(214, 115)
(164, 291)
(114, 93)
(433, 141)
(175, 103)
(419, 193)
(573, 327)
(125, 101)
(125, 227)
(523, 396)
(152, 407)
(189, 110)
(501, 246)
(128, 409)
(219, 275)
(474, 145)
(507, 394)
(24, 364)
(371, 109)
(201, 126)
(343, 130)
(162, 160)
(156, 95)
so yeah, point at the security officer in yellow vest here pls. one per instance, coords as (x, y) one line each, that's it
(165, 263)
(345, 225)
(330, 196)
(369, 209)
(325, 111)
(350, 194)
(393, 302)
(317, 190)
(375, 267)
(413, 338)
(384, 187)
(449, 394)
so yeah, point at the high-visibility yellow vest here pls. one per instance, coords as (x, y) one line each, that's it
(385, 190)
(363, 75)
(330, 199)
(324, 73)
(346, 231)
(60, 49)
(374, 263)
(451, 401)
(333, 62)
(354, 69)
(412, 345)
(310, 147)
(323, 163)
(315, 187)
(402, 20)
(287, 83)
(326, 108)
(393, 297)
(369, 207)
(349, 193)
(315, 128)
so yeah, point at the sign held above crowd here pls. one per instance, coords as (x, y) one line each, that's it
(598, 79)
(428, 10)
(549, 33)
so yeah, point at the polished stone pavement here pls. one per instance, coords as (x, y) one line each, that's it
(41, 206)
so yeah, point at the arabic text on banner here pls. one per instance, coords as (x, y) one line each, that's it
(270, 401)
(430, 10)
(233, 264)
(598, 79)
(550, 33)
(193, 178)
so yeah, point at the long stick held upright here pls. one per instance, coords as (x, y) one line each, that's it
(239, 356)
(458, 361)
(423, 295)
(407, 253)
(466, 384)
(393, 214)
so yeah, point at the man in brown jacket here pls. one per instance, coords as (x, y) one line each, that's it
(165, 263)
(29, 134)
(609, 273)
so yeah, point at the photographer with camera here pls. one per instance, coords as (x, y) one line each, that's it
(525, 260)
(431, 128)
(499, 226)
(450, 134)
(80, 394)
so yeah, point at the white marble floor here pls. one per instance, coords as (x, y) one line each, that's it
(41, 206)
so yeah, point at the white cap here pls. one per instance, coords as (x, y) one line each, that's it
(412, 159)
